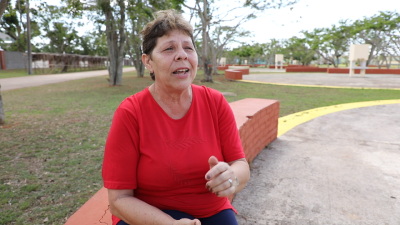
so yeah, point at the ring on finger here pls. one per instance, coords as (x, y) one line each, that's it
(230, 181)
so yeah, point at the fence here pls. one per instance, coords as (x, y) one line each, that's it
(12, 60)
(43, 63)
(47, 63)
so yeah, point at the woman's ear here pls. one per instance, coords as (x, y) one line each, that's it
(146, 61)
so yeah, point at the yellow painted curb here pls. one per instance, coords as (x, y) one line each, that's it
(320, 86)
(290, 121)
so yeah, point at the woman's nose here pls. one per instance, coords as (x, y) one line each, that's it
(181, 55)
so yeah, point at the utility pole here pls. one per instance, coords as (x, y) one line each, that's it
(28, 31)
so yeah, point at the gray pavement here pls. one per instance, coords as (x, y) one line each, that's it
(326, 79)
(38, 80)
(341, 168)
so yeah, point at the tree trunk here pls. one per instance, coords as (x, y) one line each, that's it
(3, 6)
(371, 53)
(380, 63)
(115, 41)
(2, 117)
(207, 73)
(65, 68)
(388, 62)
(214, 63)
(204, 55)
(139, 66)
(336, 64)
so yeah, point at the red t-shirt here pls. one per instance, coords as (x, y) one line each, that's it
(165, 160)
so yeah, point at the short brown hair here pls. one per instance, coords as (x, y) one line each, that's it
(165, 21)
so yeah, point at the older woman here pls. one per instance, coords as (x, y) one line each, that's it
(173, 153)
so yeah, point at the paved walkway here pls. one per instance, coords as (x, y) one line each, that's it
(37, 80)
(325, 79)
(340, 168)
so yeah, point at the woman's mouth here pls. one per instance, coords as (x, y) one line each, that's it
(180, 71)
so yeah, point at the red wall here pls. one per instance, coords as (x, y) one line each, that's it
(367, 71)
(273, 67)
(306, 69)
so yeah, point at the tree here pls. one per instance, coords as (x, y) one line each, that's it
(140, 12)
(212, 13)
(373, 31)
(3, 6)
(393, 47)
(270, 49)
(59, 29)
(13, 24)
(221, 36)
(2, 117)
(257, 53)
(297, 49)
(111, 14)
(115, 33)
(138, 15)
(330, 43)
(94, 43)
(249, 52)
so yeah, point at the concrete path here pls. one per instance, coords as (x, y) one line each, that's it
(37, 80)
(340, 168)
(327, 79)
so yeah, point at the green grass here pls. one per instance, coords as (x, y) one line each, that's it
(23, 72)
(13, 73)
(53, 141)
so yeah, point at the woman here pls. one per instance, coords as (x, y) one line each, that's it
(166, 153)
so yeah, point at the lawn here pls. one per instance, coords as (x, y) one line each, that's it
(13, 73)
(53, 141)
(24, 72)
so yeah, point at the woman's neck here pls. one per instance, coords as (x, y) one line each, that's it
(175, 104)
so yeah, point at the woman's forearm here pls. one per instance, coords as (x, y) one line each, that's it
(134, 211)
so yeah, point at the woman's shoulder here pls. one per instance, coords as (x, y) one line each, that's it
(207, 91)
(135, 100)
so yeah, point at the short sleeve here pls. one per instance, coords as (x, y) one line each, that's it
(229, 136)
(121, 154)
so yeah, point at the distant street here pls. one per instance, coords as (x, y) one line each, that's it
(38, 80)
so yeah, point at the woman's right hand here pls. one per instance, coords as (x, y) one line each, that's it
(187, 222)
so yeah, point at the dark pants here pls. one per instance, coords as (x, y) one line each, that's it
(225, 217)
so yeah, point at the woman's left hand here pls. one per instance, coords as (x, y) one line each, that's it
(221, 178)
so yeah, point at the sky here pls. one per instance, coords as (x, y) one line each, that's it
(309, 14)
(305, 15)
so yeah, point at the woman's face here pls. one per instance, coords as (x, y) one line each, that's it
(173, 61)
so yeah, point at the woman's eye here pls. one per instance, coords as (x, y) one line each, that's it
(170, 48)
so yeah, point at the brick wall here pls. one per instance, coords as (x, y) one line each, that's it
(306, 69)
(367, 71)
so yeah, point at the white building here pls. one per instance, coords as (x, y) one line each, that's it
(6, 38)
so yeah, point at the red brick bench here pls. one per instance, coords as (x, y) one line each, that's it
(222, 67)
(257, 122)
(233, 74)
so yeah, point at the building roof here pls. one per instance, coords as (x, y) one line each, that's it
(6, 38)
